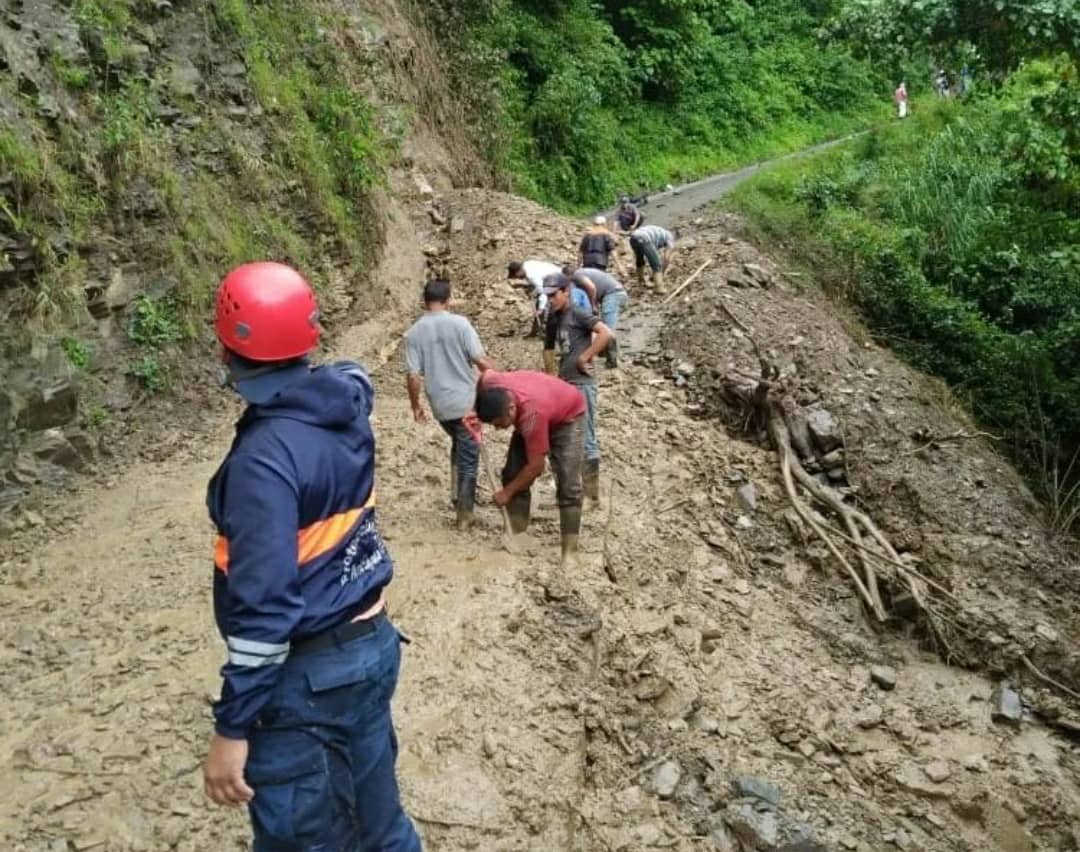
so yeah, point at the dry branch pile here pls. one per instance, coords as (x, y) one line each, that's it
(890, 585)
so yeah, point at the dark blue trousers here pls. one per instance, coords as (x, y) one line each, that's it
(322, 754)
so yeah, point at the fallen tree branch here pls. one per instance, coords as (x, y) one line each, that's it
(955, 436)
(1049, 681)
(687, 282)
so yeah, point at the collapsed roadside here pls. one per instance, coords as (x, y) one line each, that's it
(701, 680)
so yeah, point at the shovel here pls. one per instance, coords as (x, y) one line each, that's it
(510, 540)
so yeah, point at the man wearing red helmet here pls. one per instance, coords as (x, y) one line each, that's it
(303, 731)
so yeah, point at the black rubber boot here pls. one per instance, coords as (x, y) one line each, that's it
(611, 355)
(465, 504)
(590, 478)
(518, 523)
(570, 527)
(453, 481)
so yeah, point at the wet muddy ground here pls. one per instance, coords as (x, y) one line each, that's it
(700, 681)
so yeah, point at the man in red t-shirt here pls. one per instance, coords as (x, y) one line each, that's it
(548, 416)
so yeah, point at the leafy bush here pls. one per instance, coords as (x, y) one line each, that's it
(151, 374)
(155, 323)
(77, 351)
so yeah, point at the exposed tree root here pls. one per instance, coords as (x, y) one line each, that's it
(862, 550)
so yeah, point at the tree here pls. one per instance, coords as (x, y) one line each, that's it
(1004, 32)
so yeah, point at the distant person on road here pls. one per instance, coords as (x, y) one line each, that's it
(653, 245)
(548, 416)
(597, 245)
(610, 297)
(574, 337)
(303, 730)
(901, 98)
(628, 217)
(941, 84)
(442, 352)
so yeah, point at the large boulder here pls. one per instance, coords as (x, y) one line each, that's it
(48, 404)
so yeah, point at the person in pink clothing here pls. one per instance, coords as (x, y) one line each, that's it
(900, 97)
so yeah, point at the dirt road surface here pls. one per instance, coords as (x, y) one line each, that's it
(699, 682)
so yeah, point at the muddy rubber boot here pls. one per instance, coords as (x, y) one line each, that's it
(641, 276)
(570, 527)
(590, 479)
(611, 355)
(569, 551)
(658, 282)
(518, 523)
(465, 504)
(453, 482)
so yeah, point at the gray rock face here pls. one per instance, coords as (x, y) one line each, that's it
(48, 405)
(184, 78)
(755, 828)
(758, 827)
(53, 446)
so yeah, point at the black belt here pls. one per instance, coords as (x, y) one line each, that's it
(338, 635)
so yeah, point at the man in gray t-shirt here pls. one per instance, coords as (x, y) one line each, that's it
(441, 350)
(576, 337)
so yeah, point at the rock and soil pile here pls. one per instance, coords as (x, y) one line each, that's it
(703, 680)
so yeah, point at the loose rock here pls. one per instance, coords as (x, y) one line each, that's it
(938, 771)
(1007, 706)
(884, 676)
(751, 787)
(747, 496)
(666, 778)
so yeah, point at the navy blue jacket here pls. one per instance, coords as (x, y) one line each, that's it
(298, 550)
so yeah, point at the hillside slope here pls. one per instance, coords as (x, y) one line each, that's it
(147, 147)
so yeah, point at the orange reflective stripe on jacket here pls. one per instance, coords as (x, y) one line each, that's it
(312, 541)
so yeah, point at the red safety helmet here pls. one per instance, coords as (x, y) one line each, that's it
(267, 312)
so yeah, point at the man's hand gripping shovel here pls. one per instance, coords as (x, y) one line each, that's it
(511, 542)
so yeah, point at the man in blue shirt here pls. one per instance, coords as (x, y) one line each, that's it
(303, 731)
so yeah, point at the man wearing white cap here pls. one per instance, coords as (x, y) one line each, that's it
(597, 246)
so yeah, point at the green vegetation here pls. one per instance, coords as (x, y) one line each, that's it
(579, 100)
(193, 199)
(326, 132)
(96, 418)
(77, 351)
(72, 76)
(151, 373)
(956, 233)
(154, 322)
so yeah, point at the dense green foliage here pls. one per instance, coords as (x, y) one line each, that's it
(1000, 34)
(578, 100)
(958, 234)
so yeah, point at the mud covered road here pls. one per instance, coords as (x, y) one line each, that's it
(702, 681)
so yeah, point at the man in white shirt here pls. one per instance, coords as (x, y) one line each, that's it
(530, 275)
